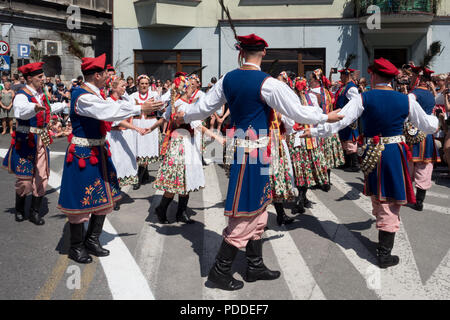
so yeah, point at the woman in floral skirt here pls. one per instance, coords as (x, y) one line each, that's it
(331, 146)
(309, 163)
(181, 169)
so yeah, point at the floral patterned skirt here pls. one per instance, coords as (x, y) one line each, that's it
(333, 151)
(281, 178)
(170, 176)
(310, 166)
(128, 181)
(183, 154)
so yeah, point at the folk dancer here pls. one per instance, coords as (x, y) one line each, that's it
(281, 172)
(147, 146)
(310, 165)
(28, 156)
(122, 142)
(331, 146)
(349, 136)
(181, 169)
(89, 185)
(250, 94)
(383, 112)
(424, 150)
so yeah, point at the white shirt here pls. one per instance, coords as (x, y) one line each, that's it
(94, 106)
(275, 93)
(24, 109)
(354, 108)
(181, 105)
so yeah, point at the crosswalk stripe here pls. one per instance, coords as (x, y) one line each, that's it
(438, 285)
(405, 275)
(215, 222)
(438, 195)
(295, 271)
(149, 247)
(435, 208)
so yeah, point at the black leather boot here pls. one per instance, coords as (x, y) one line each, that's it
(420, 197)
(34, 211)
(306, 202)
(347, 162)
(117, 206)
(327, 186)
(385, 245)
(161, 210)
(78, 251)
(354, 163)
(256, 270)
(93, 233)
(220, 273)
(181, 211)
(145, 176)
(282, 218)
(20, 208)
(139, 174)
(299, 203)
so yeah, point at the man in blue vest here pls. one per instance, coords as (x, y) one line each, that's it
(28, 155)
(383, 112)
(89, 186)
(250, 94)
(425, 152)
(348, 135)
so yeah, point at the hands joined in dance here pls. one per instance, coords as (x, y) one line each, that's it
(151, 106)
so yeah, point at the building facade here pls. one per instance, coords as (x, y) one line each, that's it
(58, 32)
(160, 37)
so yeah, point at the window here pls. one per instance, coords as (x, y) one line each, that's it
(163, 64)
(397, 56)
(300, 61)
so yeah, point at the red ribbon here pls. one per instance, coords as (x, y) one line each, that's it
(408, 151)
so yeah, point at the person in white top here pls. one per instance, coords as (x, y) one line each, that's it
(181, 169)
(122, 141)
(89, 185)
(247, 209)
(28, 155)
(147, 146)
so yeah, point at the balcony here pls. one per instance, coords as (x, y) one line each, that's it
(166, 13)
(402, 22)
(416, 7)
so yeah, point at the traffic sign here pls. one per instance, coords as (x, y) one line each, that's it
(4, 48)
(5, 63)
(23, 50)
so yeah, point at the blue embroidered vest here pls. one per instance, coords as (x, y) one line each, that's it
(242, 89)
(83, 127)
(385, 112)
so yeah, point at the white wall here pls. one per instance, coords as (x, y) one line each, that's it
(339, 41)
(441, 32)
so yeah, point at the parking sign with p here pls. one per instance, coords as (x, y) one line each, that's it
(23, 50)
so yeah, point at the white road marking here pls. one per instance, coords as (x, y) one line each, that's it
(438, 195)
(406, 273)
(125, 279)
(149, 248)
(435, 208)
(296, 273)
(438, 285)
(361, 258)
(215, 222)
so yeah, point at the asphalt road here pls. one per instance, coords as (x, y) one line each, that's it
(327, 253)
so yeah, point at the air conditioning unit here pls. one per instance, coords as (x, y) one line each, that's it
(52, 48)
